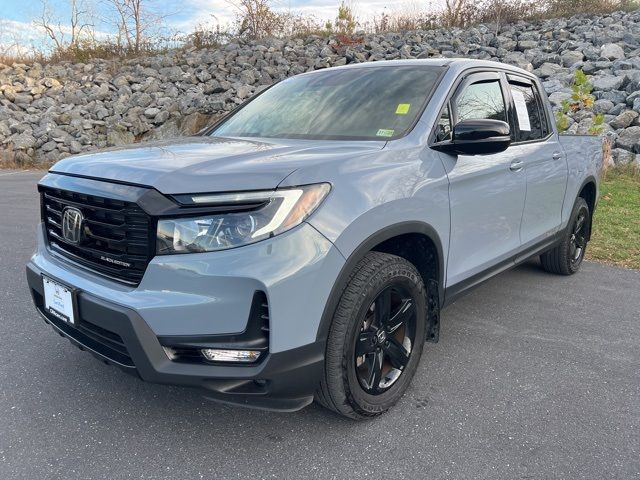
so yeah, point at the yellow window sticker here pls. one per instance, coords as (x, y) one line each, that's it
(403, 108)
(385, 132)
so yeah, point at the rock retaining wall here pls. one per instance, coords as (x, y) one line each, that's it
(48, 112)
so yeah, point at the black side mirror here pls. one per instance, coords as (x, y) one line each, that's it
(477, 137)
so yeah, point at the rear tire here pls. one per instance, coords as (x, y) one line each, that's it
(375, 339)
(566, 258)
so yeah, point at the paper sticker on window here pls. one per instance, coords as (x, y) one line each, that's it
(384, 132)
(521, 110)
(403, 108)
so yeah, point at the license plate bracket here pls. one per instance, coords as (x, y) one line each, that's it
(59, 300)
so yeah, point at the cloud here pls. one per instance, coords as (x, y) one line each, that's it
(201, 12)
(212, 12)
(24, 38)
(18, 37)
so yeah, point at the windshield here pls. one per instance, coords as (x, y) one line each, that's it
(373, 103)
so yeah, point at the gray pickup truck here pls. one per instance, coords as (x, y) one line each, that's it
(302, 248)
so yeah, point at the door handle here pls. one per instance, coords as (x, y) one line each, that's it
(556, 155)
(516, 165)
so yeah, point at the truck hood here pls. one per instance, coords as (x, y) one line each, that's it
(207, 164)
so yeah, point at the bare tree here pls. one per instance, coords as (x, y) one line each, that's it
(256, 18)
(80, 23)
(135, 21)
(454, 12)
(80, 20)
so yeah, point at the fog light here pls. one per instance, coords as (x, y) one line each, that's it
(217, 355)
(171, 353)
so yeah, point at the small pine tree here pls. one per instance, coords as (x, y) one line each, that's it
(597, 124)
(581, 92)
(345, 21)
(581, 99)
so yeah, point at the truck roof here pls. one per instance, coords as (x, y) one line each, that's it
(456, 64)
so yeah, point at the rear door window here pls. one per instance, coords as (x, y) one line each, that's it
(530, 118)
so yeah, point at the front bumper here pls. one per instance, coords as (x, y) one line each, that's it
(200, 297)
(281, 381)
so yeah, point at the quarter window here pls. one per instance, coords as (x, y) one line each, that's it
(443, 129)
(482, 100)
(528, 113)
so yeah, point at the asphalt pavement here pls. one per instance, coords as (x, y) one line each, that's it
(535, 376)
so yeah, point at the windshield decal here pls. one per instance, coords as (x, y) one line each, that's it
(403, 108)
(385, 132)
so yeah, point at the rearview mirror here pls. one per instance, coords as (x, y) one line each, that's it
(477, 137)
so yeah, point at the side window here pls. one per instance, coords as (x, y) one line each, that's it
(529, 115)
(482, 100)
(443, 128)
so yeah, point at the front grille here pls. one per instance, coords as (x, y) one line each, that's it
(116, 238)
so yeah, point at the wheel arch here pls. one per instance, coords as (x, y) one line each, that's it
(383, 240)
(589, 191)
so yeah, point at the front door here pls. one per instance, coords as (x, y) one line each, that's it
(486, 192)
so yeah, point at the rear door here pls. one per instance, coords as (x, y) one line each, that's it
(486, 192)
(543, 159)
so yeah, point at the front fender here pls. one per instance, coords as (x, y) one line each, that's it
(366, 246)
(370, 207)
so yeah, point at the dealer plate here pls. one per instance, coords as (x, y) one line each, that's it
(58, 300)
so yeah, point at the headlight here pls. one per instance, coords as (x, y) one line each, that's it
(276, 212)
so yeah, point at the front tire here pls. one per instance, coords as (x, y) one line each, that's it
(375, 339)
(567, 257)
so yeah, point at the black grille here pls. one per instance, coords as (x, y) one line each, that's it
(116, 235)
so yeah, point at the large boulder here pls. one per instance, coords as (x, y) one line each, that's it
(118, 137)
(624, 120)
(622, 157)
(548, 70)
(23, 141)
(611, 51)
(557, 98)
(606, 83)
(570, 58)
(603, 106)
(629, 139)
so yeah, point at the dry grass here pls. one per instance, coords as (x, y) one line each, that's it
(466, 13)
(8, 159)
(11, 59)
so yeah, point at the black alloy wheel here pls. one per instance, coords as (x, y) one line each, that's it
(567, 256)
(578, 239)
(386, 339)
(376, 337)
